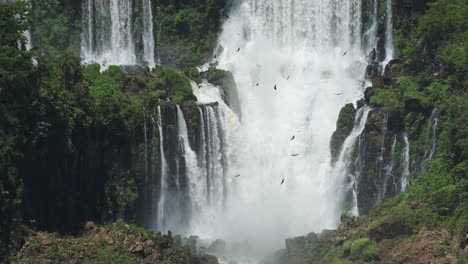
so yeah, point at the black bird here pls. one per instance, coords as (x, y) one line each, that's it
(345, 53)
(215, 56)
(282, 181)
(257, 84)
(238, 175)
(380, 150)
(294, 155)
(274, 87)
(226, 16)
(293, 137)
(339, 93)
(288, 77)
(238, 50)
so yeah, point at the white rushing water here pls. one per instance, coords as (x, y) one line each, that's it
(389, 50)
(164, 185)
(107, 36)
(311, 51)
(148, 36)
(340, 169)
(405, 178)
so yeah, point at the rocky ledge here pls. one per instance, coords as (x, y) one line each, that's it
(114, 243)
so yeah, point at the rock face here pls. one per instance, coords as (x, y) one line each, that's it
(225, 80)
(387, 155)
(218, 247)
(296, 245)
(344, 126)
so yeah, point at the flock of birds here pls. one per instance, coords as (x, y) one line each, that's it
(276, 88)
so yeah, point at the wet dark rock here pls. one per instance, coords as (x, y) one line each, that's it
(217, 247)
(296, 245)
(327, 235)
(344, 126)
(133, 69)
(312, 237)
(225, 80)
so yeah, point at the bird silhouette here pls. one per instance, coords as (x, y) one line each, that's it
(345, 53)
(238, 50)
(282, 181)
(294, 155)
(226, 16)
(215, 56)
(288, 77)
(293, 137)
(238, 175)
(339, 93)
(257, 84)
(274, 87)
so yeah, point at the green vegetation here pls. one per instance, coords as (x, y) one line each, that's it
(186, 31)
(114, 243)
(433, 212)
(67, 131)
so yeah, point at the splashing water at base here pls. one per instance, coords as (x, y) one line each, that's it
(312, 53)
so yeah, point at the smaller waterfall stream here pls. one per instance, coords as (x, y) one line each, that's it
(163, 184)
(406, 172)
(389, 49)
(107, 35)
(340, 168)
(148, 36)
(389, 170)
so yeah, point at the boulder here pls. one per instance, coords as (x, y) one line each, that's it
(217, 247)
(327, 235)
(390, 228)
(296, 245)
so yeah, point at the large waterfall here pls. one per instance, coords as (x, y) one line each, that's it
(308, 62)
(296, 64)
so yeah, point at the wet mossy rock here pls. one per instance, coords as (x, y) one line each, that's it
(344, 126)
(225, 80)
(114, 243)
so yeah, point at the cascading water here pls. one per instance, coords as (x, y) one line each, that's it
(406, 172)
(148, 36)
(107, 36)
(311, 53)
(163, 184)
(389, 50)
(389, 170)
(340, 168)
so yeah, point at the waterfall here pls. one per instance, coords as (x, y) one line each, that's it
(389, 50)
(163, 182)
(380, 161)
(389, 171)
(311, 51)
(148, 37)
(405, 177)
(210, 190)
(434, 122)
(341, 167)
(107, 36)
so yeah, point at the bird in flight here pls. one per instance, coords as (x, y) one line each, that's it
(274, 87)
(238, 50)
(294, 155)
(345, 53)
(238, 175)
(293, 137)
(282, 181)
